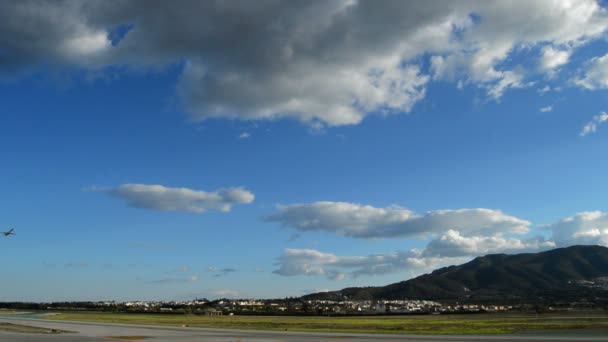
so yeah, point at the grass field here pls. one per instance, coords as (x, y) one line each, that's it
(436, 324)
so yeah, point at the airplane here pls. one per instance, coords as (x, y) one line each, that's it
(10, 232)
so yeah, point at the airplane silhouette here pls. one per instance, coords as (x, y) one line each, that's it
(10, 232)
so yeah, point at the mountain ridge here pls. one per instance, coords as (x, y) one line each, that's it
(553, 274)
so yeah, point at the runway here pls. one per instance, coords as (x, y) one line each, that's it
(97, 332)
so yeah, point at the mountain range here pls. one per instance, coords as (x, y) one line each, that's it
(569, 273)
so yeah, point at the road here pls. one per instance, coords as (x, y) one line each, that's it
(97, 332)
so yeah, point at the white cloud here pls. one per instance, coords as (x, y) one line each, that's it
(596, 75)
(86, 44)
(506, 80)
(454, 244)
(304, 261)
(544, 90)
(592, 125)
(158, 197)
(244, 135)
(323, 63)
(365, 221)
(546, 109)
(295, 262)
(224, 293)
(306, 95)
(585, 228)
(553, 58)
(497, 36)
(451, 247)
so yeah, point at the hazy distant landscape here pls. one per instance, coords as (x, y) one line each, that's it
(561, 291)
(564, 278)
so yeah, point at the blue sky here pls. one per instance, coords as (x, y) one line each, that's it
(269, 157)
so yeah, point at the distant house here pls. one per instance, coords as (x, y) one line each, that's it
(212, 312)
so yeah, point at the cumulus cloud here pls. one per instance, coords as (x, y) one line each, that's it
(37, 32)
(592, 125)
(596, 74)
(553, 58)
(306, 95)
(158, 197)
(506, 80)
(585, 228)
(448, 248)
(295, 262)
(494, 36)
(454, 244)
(365, 221)
(323, 63)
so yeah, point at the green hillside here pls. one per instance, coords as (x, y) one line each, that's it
(553, 274)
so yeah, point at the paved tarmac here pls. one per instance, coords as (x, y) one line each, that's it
(96, 332)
